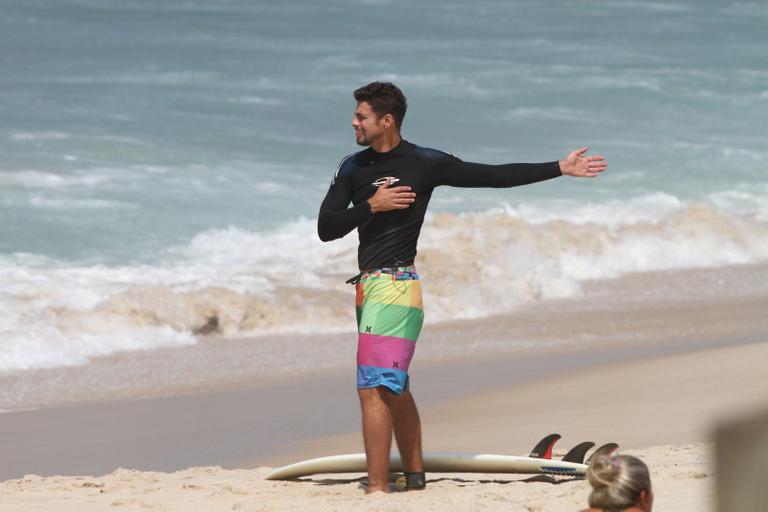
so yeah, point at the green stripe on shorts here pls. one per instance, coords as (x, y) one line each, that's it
(390, 320)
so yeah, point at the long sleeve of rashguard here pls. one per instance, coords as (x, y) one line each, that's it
(454, 172)
(335, 219)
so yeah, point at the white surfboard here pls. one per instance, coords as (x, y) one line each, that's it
(434, 462)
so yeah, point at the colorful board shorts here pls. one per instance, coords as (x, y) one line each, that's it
(389, 319)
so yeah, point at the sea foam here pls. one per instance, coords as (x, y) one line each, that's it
(234, 282)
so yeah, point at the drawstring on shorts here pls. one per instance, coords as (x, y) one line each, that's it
(393, 270)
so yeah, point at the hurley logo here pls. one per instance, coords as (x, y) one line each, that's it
(381, 181)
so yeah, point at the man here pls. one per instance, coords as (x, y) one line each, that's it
(390, 184)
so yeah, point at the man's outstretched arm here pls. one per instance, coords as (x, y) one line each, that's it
(453, 172)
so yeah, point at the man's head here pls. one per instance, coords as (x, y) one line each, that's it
(380, 109)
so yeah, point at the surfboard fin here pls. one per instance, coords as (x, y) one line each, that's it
(577, 453)
(543, 450)
(604, 451)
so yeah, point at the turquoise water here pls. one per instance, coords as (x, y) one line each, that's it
(150, 145)
(126, 127)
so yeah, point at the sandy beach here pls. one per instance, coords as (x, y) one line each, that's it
(682, 477)
(661, 409)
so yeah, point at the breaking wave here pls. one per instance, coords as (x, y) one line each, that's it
(232, 282)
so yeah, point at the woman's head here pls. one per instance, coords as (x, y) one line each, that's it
(619, 482)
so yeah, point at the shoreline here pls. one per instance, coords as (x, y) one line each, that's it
(641, 310)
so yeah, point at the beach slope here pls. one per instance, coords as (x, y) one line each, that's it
(661, 409)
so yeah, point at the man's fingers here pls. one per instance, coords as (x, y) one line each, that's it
(402, 195)
(585, 166)
(397, 198)
(581, 151)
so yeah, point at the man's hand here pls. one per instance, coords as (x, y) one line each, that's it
(583, 166)
(385, 199)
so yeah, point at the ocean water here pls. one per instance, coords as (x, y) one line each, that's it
(161, 164)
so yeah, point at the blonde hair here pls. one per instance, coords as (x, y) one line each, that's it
(617, 482)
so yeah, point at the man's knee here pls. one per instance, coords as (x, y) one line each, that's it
(370, 394)
(393, 400)
(378, 394)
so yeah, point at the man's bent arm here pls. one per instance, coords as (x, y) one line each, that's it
(336, 220)
(455, 173)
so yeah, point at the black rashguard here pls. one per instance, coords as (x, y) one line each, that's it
(389, 238)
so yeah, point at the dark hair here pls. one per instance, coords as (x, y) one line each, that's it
(384, 98)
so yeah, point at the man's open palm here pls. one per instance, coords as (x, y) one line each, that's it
(578, 165)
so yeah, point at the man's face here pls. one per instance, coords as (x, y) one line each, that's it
(368, 126)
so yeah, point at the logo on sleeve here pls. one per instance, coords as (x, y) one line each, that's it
(381, 181)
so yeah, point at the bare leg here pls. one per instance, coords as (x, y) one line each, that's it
(377, 437)
(407, 427)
